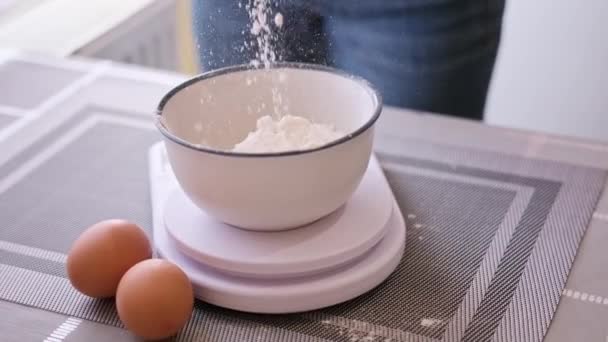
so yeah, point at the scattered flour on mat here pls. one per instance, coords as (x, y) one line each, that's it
(430, 322)
(289, 133)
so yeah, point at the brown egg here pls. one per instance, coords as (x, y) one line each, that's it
(103, 254)
(154, 299)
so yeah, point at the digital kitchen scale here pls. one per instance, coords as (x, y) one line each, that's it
(332, 260)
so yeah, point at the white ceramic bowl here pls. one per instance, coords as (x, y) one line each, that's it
(203, 118)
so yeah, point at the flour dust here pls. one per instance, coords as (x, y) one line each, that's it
(265, 30)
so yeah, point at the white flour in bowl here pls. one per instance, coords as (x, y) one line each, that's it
(290, 133)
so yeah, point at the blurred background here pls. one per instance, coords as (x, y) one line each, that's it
(551, 74)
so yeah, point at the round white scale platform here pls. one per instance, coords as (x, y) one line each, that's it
(327, 262)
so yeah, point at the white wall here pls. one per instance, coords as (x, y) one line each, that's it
(552, 70)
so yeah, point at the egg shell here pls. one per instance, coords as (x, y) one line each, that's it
(154, 299)
(103, 254)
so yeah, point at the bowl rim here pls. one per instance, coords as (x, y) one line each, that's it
(376, 96)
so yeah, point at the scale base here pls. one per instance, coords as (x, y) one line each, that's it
(273, 276)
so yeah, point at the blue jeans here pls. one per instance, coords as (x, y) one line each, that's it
(427, 55)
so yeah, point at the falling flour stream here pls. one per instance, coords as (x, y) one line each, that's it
(276, 130)
(280, 131)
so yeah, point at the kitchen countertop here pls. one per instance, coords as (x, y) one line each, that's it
(58, 87)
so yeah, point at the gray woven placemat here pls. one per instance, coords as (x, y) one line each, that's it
(491, 237)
